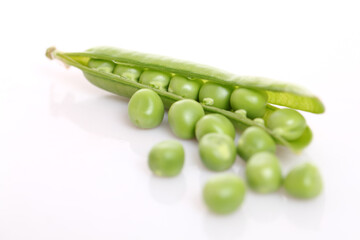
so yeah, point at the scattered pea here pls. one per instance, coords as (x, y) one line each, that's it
(304, 181)
(224, 193)
(217, 151)
(183, 116)
(166, 159)
(263, 172)
(254, 140)
(287, 123)
(146, 109)
(214, 122)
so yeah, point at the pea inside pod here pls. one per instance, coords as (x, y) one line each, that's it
(215, 95)
(155, 79)
(129, 72)
(288, 123)
(184, 87)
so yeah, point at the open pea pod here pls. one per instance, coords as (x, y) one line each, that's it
(279, 93)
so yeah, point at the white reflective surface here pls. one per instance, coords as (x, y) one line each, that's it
(72, 166)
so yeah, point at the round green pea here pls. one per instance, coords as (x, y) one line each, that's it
(101, 65)
(304, 181)
(224, 193)
(183, 116)
(166, 159)
(254, 140)
(287, 123)
(263, 172)
(214, 123)
(250, 100)
(215, 95)
(217, 151)
(155, 79)
(186, 88)
(146, 109)
(131, 73)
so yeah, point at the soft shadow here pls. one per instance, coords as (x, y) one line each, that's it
(167, 190)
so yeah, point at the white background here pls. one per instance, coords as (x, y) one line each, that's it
(72, 166)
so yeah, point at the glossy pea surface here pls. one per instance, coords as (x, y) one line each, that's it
(263, 172)
(217, 151)
(155, 79)
(101, 65)
(166, 159)
(215, 95)
(254, 140)
(252, 101)
(288, 123)
(146, 109)
(131, 73)
(183, 116)
(224, 193)
(304, 181)
(186, 88)
(214, 123)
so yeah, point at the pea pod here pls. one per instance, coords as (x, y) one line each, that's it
(278, 93)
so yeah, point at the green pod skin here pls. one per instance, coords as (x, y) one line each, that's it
(186, 88)
(166, 159)
(254, 140)
(214, 123)
(279, 93)
(252, 101)
(183, 116)
(223, 194)
(304, 181)
(155, 79)
(215, 95)
(101, 65)
(217, 151)
(287, 123)
(145, 109)
(131, 73)
(263, 172)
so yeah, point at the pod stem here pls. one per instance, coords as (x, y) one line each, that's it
(50, 52)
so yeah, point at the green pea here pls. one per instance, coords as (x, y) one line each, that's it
(101, 65)
(254, 140)
(263, 172)
(304, 181)
(217, 151)
(287, 123)
(184, 87)
(166, 159)
(214, 123)
(131, 73)
(183, 116)
(146, 109)
(224, 193)
(215, 95)
(250, 100)
(155, 79)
